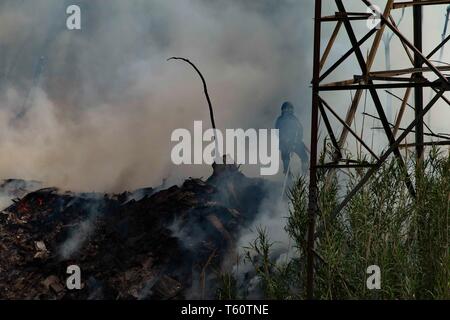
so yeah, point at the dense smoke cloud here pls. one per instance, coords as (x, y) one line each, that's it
(94, 109)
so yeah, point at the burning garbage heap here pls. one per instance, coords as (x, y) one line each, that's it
(148, 244)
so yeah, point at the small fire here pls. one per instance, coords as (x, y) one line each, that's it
(23, 207)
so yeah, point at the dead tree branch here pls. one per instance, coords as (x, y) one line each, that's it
(205, 88)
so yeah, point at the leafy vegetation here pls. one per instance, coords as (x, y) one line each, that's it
(383, 225)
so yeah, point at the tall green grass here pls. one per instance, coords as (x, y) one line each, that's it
(383, 225)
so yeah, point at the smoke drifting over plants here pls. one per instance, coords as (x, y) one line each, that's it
(94, 109)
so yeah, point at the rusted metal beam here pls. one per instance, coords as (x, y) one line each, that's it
(406, 4)
(377, 102)
(404, 85)
(370, 59)
(433, 135)
(405, 102)
(408, 91)
(352, 16)
(418, 92)
(350, 130)
(416, 51)
(358, 79)
(401, 113)
(330, 130)
(330, 44)
(392, 79)
(385, 156)
(399, 72)
(439, 46)
(410, 57)
(346, 55)
(425, 144)
(343, 166)
(313, 206)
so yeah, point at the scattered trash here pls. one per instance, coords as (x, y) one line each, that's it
(144, 244)
(41, 249)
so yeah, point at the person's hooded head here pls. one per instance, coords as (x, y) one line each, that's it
(287, 108)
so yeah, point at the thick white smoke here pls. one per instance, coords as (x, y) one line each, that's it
(100, 113)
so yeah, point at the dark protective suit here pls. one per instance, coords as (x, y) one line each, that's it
(291, 139)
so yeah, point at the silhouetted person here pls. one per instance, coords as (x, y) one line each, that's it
(291, 137)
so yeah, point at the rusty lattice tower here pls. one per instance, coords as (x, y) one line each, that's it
(422, 73)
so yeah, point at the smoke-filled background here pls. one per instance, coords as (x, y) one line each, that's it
(94, 109)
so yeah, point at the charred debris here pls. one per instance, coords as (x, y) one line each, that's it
(147, 244)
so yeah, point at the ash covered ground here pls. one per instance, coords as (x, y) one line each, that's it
(165, 243)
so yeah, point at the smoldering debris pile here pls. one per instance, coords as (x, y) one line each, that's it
(148, 244)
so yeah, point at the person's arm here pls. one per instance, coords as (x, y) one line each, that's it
(277, 123)
(299, 129)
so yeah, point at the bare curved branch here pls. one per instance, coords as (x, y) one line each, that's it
(205, 88)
